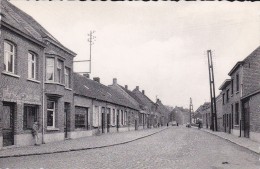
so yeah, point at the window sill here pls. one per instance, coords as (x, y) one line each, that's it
(68, 89)
(33, 80)
(52, 129)
(10, 74)
(236, 125)
(56, 83)
(237, 92)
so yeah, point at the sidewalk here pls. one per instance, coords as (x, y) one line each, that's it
(85, 143)
(241, 141)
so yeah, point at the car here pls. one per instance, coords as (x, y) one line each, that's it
(188, 125)
(174, 123)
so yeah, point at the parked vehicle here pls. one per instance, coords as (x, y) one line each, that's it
(188, 125)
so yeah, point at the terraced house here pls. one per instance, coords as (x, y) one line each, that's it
(240, 98)
(101, 109)
(35, 80)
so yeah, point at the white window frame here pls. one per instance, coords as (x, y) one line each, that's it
(54, 112)
(59, 71)
(52, 58)
(7, 54)
(67, 77)
(30, 63)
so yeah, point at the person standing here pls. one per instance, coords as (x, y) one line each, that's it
(35, 129)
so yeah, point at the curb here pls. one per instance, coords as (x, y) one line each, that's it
(80, 149)
(253, 151)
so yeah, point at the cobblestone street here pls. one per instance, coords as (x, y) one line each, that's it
(176, 147)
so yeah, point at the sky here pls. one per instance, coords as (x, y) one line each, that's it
(158, 46)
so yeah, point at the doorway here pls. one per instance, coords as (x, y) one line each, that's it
(8, 124)
(246, 113)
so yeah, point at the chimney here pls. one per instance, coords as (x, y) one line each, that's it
(143, 92)
(126, 87)
(137, 87)
(86, 75)
(114, 81)
(97, 79)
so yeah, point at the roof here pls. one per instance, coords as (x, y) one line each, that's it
(23, 22)
(89, 88)
(205, 106)
(161, 107)
(144, 100)
(225, 84)
(235, 67)
(133, 96)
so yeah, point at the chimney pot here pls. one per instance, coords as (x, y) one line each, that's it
(126, 87)
(97, 79)
(143, 92)
(114, 81)
(86, 75)
(137, 87)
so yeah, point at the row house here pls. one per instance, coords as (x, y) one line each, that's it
(35, 80)
(142, 114)
(149, 107)
(101, 109)
(240, 98)
(205, 113)
(163, 112)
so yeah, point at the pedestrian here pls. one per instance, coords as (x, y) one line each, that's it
(35, 134)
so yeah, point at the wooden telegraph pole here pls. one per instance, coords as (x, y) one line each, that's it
(191, 109)
(214, 124)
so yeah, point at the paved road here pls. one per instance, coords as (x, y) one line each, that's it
(176, 147)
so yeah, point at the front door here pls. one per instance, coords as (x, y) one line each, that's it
(246, 119)
(229, 121)
(108, 122)
(66, 113)
(117, 121)
(8, 124)
(103, 122)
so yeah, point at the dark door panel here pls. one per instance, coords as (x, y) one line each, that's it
(8, 125)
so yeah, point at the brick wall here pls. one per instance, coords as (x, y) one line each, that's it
(19, 89)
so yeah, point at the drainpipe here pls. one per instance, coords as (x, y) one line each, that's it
(43, 98)
(241, 94)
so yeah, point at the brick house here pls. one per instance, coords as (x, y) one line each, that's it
(240, 98)
(131, 98)
(220, 116)
(163, 113)
(101, 109)
(35, 80)
(148, 107)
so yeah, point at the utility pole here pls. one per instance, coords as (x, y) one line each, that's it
(214, 124)
(191, 109)
(91, 40)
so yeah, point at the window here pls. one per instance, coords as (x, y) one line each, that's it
(223, 98)
(9, 56)
(59, 71)
(237, 82)
(96, 116)
(50, 69)
(30, 116)
(50, 114)
(31, 66)
(114, 116)
(232, 86)
(81, 117)
(125, 117)
(232, 109)
(236, 113)
(67, 77)
(227, 95)
(223, 120)
(122, 117)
